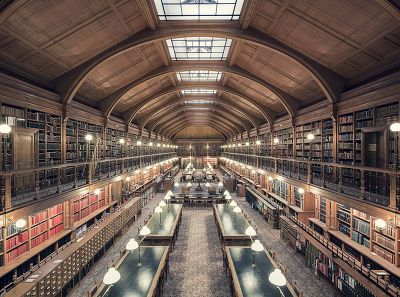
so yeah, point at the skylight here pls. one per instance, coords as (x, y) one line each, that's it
(199, 48)
(199, 75)
(195, 102)
(198, 91)
(169, 10)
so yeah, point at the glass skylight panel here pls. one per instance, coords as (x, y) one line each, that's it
(199, 75)
(169, 10)
(199, 48)
(199, 91)
(196, 102)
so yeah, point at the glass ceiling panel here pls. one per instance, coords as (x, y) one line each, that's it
(199, 91)
(199, 48)
(170, 10)
(199, 75)
(199, 102)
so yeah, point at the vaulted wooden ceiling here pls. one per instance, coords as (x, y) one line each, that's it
(113, 55)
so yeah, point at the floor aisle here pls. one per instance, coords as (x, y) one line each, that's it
(196, 266)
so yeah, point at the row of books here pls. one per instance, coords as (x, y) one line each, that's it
(383, 240)
(57, 229)
(56, 220)
(57, 209)
(39, 217)
(39, 239)
(38, 229)
(16, 252)
(17, 239)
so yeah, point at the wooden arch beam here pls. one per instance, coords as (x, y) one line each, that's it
(329, 81)
(182, 123)
(228, 127)
(131, 112)
(227, 119)
(108, 103)
(170, 106)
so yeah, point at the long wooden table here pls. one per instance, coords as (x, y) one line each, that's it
(167, 232)
(249, 281)
(200, 198)
(231, 230)
(143, 281)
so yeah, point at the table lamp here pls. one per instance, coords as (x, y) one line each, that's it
(278, 279)
(256, 246)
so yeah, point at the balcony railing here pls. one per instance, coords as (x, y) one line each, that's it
(18, 187)
(364, 183)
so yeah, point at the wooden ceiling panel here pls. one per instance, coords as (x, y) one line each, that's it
(88, 41)
(286, 74)
(90, 91)
(43, 21)
(143, 91)
(247, 106)
(253, 90)
(344, 37)
(199, 132)
(155, 105)
(125, 68)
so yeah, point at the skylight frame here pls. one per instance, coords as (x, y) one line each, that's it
(176, 10)
(199, 75)
(199, 48)
(199, 91)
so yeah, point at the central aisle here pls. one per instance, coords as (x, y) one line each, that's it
(196, 266)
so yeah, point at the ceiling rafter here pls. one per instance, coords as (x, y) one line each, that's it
(130, 113)
(222, 117)
(108, 103)
(172, 102)
(229, 127)
(183, 123)
(182, 126)
(330, 82)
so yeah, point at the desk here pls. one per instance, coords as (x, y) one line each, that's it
(167, 232)
(249, 281)
(227, 229)
(197, 199)
(143, 281)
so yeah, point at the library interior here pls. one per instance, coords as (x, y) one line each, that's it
(199, 148)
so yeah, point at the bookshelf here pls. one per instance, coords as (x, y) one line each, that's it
(309, 149)
(284, 148)
(86, 204)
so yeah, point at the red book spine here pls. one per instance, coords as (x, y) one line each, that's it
(56, 229)
(56, 220)
(39, 229)
(39, 239)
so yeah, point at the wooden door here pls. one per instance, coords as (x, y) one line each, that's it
(24, 157)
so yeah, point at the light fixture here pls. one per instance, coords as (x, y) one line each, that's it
(139, 142)
(20, 224)
(132, 245)
(395, 127)
(250, 231)
(253, 171)
(189, 184)
(220, 184)
(176, 184)
(144, 231)
(239, 144)
(233, 203)
(256, 247)
(163, 145)
(207, 184)
(247, 143)
(270, 178)
(111, 277)
(169, 193)
(118, 178)
(127, 178)
(276, 140)
(158, 210)
(5, 128)
(300, 190)
(237, 209)
(150, 143)
(89, 137)
(380, 224)
(228, 197)
(277, 278)
(158, 144)
(258, 142)
(162, 203)
(310, 136)
(97, 191)
(121, 141)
